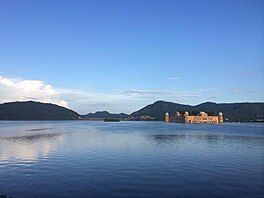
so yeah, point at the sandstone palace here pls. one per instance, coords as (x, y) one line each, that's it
(202, 117)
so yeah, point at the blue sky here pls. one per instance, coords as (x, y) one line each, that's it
(122, 55)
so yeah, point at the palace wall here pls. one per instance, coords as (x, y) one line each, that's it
(201, 118)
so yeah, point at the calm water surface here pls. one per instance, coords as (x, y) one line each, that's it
(130, 159)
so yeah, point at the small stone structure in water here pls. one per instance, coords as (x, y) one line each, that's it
(202, 117)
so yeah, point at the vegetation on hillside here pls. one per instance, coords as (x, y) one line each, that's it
(233, 112)
(105, 115)
(35, 111)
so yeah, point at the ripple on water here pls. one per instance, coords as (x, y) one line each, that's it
(131, 159)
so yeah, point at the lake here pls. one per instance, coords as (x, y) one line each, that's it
(130, 159)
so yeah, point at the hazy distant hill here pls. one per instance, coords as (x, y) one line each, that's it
(35, 111)
(104, 115)
(233, 112)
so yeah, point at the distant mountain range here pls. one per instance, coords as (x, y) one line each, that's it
(233, 112)
(35, 111)
(105, 115)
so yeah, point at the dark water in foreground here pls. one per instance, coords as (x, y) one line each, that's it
(131, 159)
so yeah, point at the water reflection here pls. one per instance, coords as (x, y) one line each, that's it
(208, 138)
(130, 159)
(29, 147)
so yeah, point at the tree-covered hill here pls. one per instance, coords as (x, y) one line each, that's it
(105, 115)
(233, 112)
(35, 111)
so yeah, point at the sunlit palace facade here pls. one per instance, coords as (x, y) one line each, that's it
(202, 117)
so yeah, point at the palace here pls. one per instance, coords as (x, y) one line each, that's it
(202, 117)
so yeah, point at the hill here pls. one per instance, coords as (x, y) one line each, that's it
(35, 111)
(104, 115)
(233, 112)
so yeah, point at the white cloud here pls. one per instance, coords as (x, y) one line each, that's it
(148, 92)
(86, 100)
(163, 93)
(127, 101)
(239, 91)
(16, 89)
(174, 78)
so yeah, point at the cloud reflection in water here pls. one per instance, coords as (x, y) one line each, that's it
(30, 147)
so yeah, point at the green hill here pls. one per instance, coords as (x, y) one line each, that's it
(104, 115)
(35, 111)
(233, 112)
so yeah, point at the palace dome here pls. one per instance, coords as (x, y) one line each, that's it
(203, 113)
